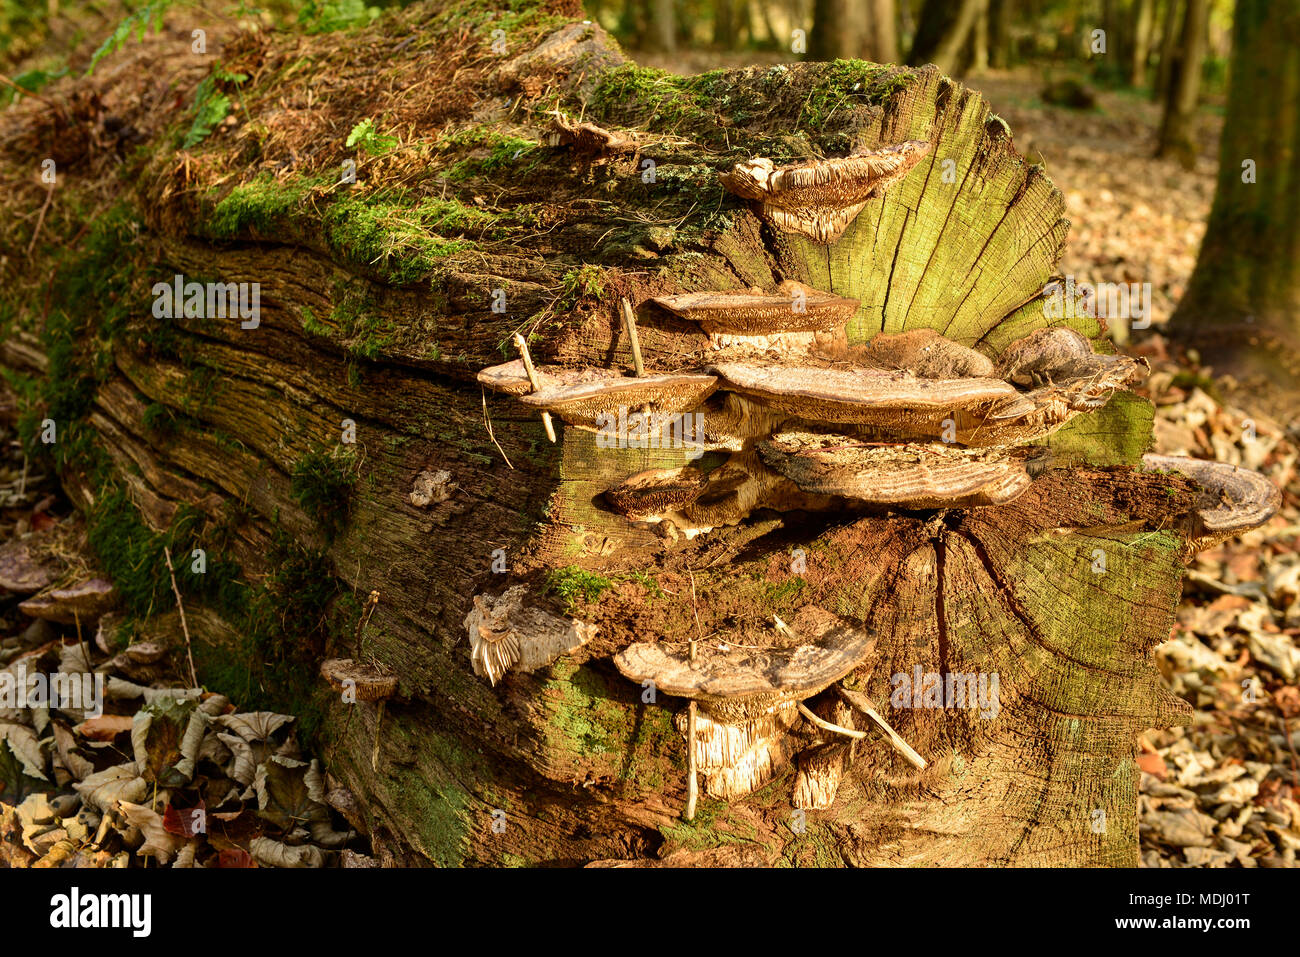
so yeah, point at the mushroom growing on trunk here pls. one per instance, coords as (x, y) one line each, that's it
(749, 696)
(586, 398)
(821, 198)
(913, 475)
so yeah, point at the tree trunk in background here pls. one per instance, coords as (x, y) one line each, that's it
(663, 25)
(1243, 301)
(1144, 15)
(943, 33)
(1000, 19)
(1178, 126)
(839, 30)
(884, 30)
(1168, 48)
(725, 26)
(1115, 22)
(765, 14)
(980, 39)
(379, 307)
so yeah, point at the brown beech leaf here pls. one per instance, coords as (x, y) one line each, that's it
(184, 821)
(104, 728)
(235, 857)
(158, 842)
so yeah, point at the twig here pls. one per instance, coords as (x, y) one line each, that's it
(374, 752)
(372, 600)
(185, 628)
(40, 221)
(692, 769)
(629, 324)
(522, 345)
(488, 423)
(26, 92)
(823, 723)
(863, 704)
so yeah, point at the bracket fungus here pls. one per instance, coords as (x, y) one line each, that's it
(749, 696)
(588, 138)
(653, 494)
(926, 353)
(507, 635)
(512, 377)
(912, 475)
(579, 398)
(820, 198)
(855, 395)
(794, 307)
(1232, 500)
(365, 681)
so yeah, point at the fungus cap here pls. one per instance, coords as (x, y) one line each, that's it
(367, 681)
(869, 396)
(512, 378)
(580, 398)
(656, 491)
(820, 198)
(771, 674)
(926, 353)
(1233, 500)
(912, 475)
(794, 307)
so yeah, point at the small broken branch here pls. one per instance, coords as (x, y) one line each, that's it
(180, 607)
(629, 324)
(828, 726)
(864, 704)
(522, 346)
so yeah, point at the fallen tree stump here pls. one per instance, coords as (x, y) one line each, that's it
(338, 444)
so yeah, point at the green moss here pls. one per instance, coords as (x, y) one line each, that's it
(322, 485)
(571, 584)
(396, 235)
(585, 282)
(848, 83)
(494, 152)
(783, 595)
(311, 325)
(354, 317)
(261, 205)
(713, 826)
(645, 91)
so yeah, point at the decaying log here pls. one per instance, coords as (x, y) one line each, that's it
(535, 614)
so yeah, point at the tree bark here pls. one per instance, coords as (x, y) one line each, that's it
(1178, 125)
(943, 32)
(1144, 12)
(1001, 18)
(1169, 25)
(884, 31)
(980, 39)
(725, 24)
(378, 308)
(663, 25)
(840, 30)
(1243, 301)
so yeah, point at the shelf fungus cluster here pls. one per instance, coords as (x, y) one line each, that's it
(799, 419)
(749, 698)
